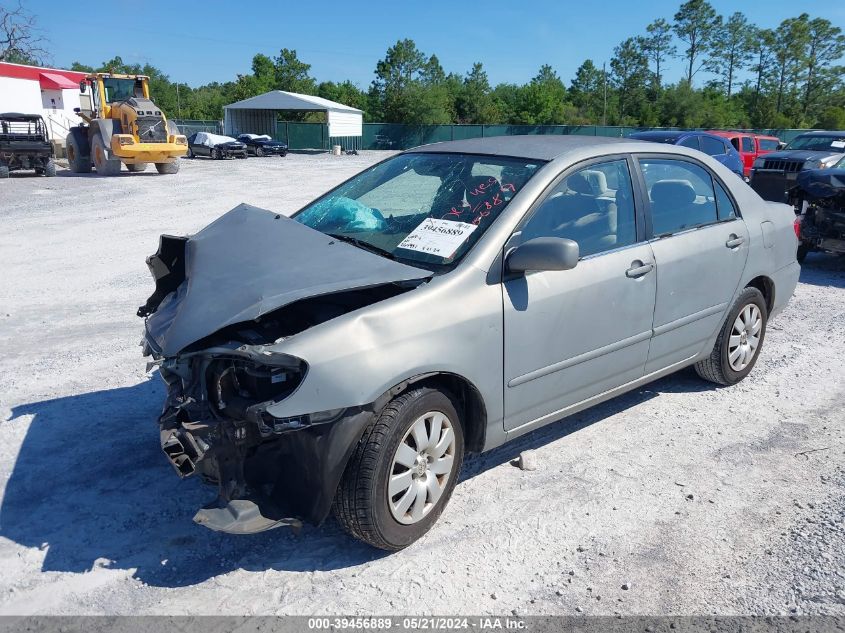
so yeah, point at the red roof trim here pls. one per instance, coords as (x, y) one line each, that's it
(33, 73)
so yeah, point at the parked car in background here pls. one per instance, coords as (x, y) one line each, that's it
(215, 146)
(263, 145)
(775, 174)
(318, 361)
(819, 200)
(715, 146)
(25, 144)
(749, 146)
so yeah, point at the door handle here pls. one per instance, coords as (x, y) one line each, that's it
(734, 241)
(638, 269)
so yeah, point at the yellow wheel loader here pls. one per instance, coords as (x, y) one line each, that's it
(122, 125)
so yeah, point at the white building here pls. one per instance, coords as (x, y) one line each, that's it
(50, 92)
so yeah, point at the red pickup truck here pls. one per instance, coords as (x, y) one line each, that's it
(749, 146)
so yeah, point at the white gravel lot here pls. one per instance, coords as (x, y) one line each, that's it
(699, 500)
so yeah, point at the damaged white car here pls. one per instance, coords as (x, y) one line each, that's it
(447, 300)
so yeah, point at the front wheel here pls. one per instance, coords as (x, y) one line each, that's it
(136, 168)
(104, 165)
(403, 471)
(259, 152)
(168, 168)
(739, 342)
(215, 154)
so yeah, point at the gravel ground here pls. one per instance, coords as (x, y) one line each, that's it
(678, 498)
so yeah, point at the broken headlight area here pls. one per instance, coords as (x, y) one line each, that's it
(217, 404)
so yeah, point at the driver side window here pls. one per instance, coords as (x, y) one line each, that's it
(593, 206)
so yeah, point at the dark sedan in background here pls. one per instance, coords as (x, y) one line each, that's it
(215, 146)
(263, 145)
(718, 148)
(775, 174)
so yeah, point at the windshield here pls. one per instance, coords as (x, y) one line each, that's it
(818, 143)
(424, 209)
(121, 89)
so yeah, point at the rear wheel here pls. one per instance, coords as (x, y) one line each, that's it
(4, 171)
(803, 249)
(403, 471)
(738, 344)
(215, 153)
(168, 168)
(136, 167)
(259, 152)
(78, 151)
(105, 166)
(50, 169)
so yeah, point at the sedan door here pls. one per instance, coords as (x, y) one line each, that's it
(573, 334)
(700, 245)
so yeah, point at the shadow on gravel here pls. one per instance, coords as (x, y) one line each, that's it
(92, 488)
(684, 381)
(824, 269)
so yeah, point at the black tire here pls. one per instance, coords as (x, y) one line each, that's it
(4, 172)
(168, 168)
(190, 153)
(259, 152)
(803, 249)
(50, 169)
(283, 154)
(136, 168)
(104, 165)
(361, 501)
(215, 153)
(716, 367)
(78, 151)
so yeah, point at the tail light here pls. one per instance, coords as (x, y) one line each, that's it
(797, 226)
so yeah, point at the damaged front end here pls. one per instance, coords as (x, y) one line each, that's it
(213, 420)
(224, 300)
(819, 199)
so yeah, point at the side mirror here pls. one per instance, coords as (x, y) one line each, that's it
(82, 87)
(543, 253)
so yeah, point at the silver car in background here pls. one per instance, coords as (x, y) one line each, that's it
(446, 300)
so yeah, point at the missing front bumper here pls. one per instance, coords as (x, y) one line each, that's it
(240, 516)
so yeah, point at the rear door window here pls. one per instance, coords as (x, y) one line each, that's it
(712, 146)
(747, 144)
(680, 193)
(690, 141)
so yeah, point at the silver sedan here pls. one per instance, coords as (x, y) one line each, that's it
(446, 300)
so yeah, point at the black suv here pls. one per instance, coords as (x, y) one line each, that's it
(776, 173)
(25, 144)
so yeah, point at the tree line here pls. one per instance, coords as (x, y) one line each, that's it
(735, 74)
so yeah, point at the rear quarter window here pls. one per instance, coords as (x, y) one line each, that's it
(712, 146)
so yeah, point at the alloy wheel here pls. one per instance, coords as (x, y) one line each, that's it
(745, 337)
(421, 467)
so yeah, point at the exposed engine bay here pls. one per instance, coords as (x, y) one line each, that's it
(819, 200)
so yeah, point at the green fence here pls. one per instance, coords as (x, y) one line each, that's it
(190, 126)
(399, 136)
(301, 136)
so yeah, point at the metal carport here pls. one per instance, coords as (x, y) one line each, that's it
(257, 115)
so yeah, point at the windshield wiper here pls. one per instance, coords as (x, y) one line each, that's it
(362, 244)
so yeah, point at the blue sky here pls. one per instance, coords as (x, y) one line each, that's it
(200, 42)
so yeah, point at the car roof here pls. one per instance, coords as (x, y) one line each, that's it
(823, 133)
(18, 116)
(659, 134)
(530, 146)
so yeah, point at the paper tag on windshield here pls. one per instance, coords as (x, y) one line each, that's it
(438, 237)
(838, 144)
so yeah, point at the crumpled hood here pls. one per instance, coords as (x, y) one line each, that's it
(822, 183)
(250, 262)
(798, 154)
